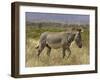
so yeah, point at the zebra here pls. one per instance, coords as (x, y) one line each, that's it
(55, 40)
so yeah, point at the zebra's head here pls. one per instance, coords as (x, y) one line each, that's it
(78, 38)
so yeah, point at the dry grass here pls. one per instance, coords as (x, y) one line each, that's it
(78, 55)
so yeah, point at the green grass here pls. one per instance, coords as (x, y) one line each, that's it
(36, 32)
(85, 38)
(79, 55)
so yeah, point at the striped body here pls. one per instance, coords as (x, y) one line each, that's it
(57, 40)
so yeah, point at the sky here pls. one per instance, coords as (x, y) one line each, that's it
(55, 17)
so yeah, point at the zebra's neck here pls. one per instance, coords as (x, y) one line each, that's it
(70, 38)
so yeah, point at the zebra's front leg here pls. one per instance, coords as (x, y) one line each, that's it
(63, 52)
(69, 51)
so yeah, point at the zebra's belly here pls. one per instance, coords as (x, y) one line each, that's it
(54, 41)
(55, 45)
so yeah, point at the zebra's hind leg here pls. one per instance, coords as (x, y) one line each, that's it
(40, 50)
(48, 50)
(42, 45)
